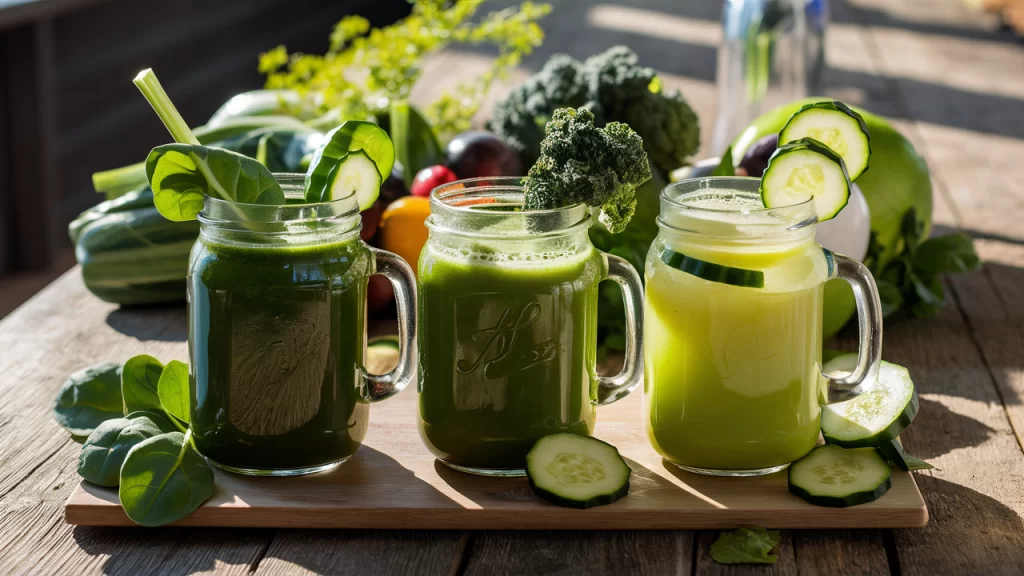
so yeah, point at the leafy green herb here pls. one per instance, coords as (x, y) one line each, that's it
(725, 167)
(911, 283)
(416, 145)
(363, 66)
(158, 417)
(746, 546)
(182, 176)
(173, 390)
(106, 448)
(163, 479)
(139, 380)
(88, 398)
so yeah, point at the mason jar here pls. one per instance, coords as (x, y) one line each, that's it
(733, 329)
(508, 325)
(277, 318)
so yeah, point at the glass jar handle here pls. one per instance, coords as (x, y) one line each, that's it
(616, 387)
(869, 321)
(399, 273)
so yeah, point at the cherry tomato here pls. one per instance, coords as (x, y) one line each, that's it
(430, 178)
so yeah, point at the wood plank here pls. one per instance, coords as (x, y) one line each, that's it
(394, 482)
(596, 553)
(58, 331)
(299, 552)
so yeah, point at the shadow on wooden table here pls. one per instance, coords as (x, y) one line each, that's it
(165, 323)
(934, 422)
(976, 533)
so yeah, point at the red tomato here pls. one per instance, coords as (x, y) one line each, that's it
(430, 178)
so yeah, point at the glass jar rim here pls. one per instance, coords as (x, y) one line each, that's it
(459, 208)
(218, 211)
(680, 211)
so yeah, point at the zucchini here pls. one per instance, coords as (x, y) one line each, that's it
(135, 256)
(141, 198)
(893, 452)
(876, 416)
(576, 471)
(839, 477)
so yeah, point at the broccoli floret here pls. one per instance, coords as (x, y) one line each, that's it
(580, 162)
(615, 88)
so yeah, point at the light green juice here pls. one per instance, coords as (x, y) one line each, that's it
(731, 371)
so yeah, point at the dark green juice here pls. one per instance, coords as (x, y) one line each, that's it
(276, 342)
(506, 354)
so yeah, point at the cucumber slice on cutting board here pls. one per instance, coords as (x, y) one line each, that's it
(893, 452)
(876, 416)
(577, 471)
(839, 477)
(805, 169)
(835, 125)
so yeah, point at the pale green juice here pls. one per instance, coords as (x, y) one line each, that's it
(732, 371)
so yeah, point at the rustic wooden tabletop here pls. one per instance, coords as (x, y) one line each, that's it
(955, 86)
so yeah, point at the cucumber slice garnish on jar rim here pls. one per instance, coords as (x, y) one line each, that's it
(840, 477)
(876, 416)
(806, 169)
(835, 125)
(339, 145)
(576, 471)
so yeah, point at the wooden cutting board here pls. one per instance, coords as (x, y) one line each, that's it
(394, 482)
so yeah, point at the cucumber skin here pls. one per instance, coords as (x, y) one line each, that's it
(893, 455)
(840, 107)
(135, 257)
(836, 502)
(600, 500)
(890, 433)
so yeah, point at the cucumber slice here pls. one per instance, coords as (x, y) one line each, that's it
(878, 415)
(354, 173)
(576, 471)
(806, 169)
(339, 144)
(835, 125)
(893, 452)
(713, 272)
(840, 477)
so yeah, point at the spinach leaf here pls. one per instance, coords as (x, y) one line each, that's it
(104, 451)
(183, 175)
(163, 479)
(173, 389)
(725, 167)
(88, 398)
(746, 546)
(416, 145)
(160, 418)
(139, 379)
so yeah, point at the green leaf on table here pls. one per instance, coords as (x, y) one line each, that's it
(139, 383)
(746, 546)
(915, 463)
(416, 145)
(890, 296)
(183, 175)
(951, 253)
(158, 417)
(911, 230)
(163, 479)
(173, 389)
(88, 398)
(930, 294)
(104, 451)
(725, 166)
